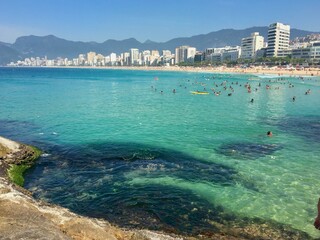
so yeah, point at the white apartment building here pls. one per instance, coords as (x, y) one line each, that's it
(125, 58)
(113, 58)
(166, 53)
(134, 56)
(278, 39)
(90, 57)
(81, 59)
(207, 53)
(185, 54)
(309, 53)
(155, 57)
(216, 57)
(250, 45)
(315, 51)
(231, 54)
(227, 53)
(145, 57)
(167, 57)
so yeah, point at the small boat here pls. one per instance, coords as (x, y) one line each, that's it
(199, 92)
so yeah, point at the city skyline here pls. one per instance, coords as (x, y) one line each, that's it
(146, 20)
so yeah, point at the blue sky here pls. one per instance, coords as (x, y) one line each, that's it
(157, 20)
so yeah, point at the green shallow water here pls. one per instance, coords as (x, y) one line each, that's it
(118, 148)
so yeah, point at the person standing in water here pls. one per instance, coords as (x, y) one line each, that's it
(317, 220)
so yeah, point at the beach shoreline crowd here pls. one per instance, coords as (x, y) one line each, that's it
(290, 72)
(261, 70)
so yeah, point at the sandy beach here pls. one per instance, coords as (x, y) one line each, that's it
(307, 72)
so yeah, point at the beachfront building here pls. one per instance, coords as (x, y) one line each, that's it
(261, 53)
(81, 59)
(199, 57)
(284, 52)
(315, 52)
(110, 60)
(90, 58)
(227, 53)
(134, 57)
(278, 39)
(207, 53)
(185, 54)
(99, 60)
(167, 57)
(250, 45)
(145, 57)
(231, 54)
(113, 59)
(125, 59)
(216, 57)
(310, 53)
(155, 57)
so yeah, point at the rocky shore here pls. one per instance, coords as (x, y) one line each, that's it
(22, 217)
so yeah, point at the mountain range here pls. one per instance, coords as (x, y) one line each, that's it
(53, 47)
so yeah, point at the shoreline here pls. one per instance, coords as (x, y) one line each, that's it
(308, 72)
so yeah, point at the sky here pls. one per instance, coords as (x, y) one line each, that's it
(156, 20)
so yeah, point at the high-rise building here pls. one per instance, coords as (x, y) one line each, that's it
(113, 59)
(250, 45)
(278, 38)
(185, 54)
(146, 55)
(125, 58)
(166, 53)
(134, 56)
(81, 59)
(90, 57)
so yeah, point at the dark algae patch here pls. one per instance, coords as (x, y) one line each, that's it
(248, 151)
(306, 127)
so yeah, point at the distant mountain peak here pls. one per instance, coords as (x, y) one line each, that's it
(148, 41)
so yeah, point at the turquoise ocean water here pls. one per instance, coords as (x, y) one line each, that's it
(118, 148)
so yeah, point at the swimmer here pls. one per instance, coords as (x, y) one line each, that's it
(251, 100)
(269, 134)
(294, 98)
(317, 220)
(174, 91)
